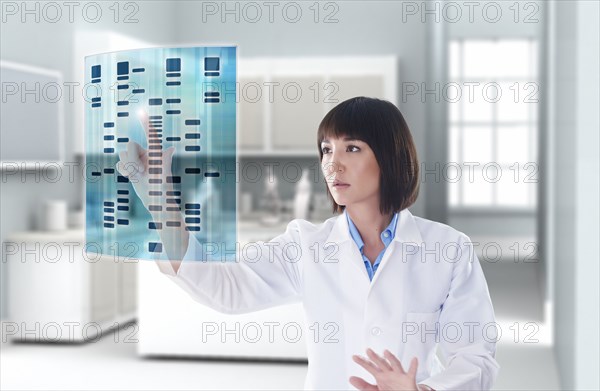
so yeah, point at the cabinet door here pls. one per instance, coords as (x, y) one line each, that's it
(128, 286)
(252, 98)
(296, 112)
(46, 284)
(348, 87)
(104, 277)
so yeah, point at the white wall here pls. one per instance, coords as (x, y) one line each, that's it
(588, 198)
(574, 209)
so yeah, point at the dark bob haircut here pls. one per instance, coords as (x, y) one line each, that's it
(381, 125)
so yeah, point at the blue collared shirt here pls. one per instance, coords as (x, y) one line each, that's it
(386, 237)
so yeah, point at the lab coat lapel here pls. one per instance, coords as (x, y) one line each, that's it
(348, 252)
(406, 244)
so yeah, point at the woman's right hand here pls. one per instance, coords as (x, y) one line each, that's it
(134, 163)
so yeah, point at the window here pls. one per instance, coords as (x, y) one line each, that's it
(492, 98)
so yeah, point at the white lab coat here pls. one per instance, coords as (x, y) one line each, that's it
(429, 290)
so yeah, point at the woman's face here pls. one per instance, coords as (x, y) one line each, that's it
(353, 164)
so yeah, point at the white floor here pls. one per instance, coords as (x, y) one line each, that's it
(109, 365)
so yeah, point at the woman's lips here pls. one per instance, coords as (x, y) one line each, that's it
(341, 185)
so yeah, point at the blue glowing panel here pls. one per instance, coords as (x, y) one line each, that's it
(96, 71)
(211, 63)
(173, 64)
(189, 96)
(122, 68)
(211, 66)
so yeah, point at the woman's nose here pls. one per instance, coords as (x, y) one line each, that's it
(334, 164)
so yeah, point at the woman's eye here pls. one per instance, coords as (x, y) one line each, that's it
(352, 148)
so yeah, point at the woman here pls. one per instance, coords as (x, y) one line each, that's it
(387, 281)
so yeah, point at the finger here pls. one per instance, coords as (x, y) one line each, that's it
(366, 364)
(377, 359)
(124, 166)
(123, 156)
(412, 371)
(396, 364)
(120, 164)
(129, 163)
(144, 120)
(360, 384)
(134, 151)
(167, 158)
(128, 169)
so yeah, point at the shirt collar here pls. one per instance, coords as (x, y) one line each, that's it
(390, 230)
(407, 231)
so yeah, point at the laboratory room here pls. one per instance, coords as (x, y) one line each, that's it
(288, 195)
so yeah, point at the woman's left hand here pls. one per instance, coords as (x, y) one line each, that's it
(388, 374)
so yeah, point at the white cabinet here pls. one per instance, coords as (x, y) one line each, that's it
(171, 323)
(283, 100)
(87, 43)
(58, 293)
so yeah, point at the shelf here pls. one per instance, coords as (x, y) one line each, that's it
(280, 153)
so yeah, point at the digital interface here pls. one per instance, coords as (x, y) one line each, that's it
(160, 98)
